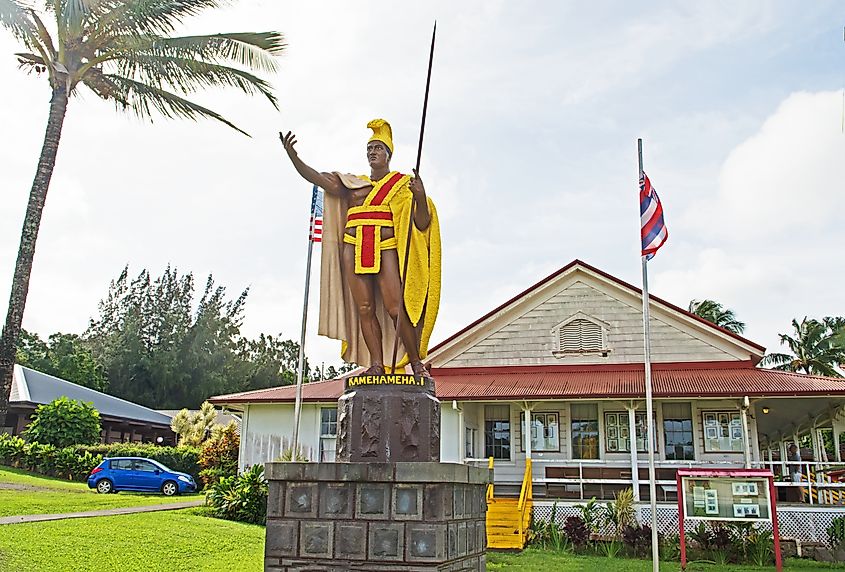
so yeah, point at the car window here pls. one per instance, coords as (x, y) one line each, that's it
(145, 466)
(121, 465)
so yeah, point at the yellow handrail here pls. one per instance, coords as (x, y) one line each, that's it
(490, 486)
(525, 497)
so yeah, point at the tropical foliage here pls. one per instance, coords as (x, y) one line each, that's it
(193, 428)
(816, 347)
(124, 52)
(64, 422)
(242, 497)
(219, 456)
(716, 313)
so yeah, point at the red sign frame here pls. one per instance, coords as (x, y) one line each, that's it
(729, 473)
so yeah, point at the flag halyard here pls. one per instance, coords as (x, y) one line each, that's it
(652, 228)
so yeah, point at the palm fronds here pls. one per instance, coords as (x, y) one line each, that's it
(816, 348)
(714, 312)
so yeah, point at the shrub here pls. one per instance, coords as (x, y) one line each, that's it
(761, 546)
(242, 497)
(219, 456)
(576, 530)
(64, 422)
(637, 539)
(836, 532)
(548, 533)
(182, 459)
(64, 463)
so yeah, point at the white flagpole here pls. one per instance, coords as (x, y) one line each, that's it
(652, 488)
(297, 408)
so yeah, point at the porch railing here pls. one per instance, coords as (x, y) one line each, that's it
(819, 487)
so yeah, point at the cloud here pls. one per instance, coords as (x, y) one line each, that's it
(768, 242)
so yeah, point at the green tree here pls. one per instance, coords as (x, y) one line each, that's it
(66, 356)
(716, 313)
(814, 348)
(161, 352)
(64, 422)
(124, 52)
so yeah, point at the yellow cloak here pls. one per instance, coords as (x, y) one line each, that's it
(338, 314)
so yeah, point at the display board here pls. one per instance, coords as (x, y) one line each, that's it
(726, 498)
(727, 494)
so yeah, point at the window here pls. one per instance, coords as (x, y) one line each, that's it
(469, 443)
(144, 466)
(585, 431)
(121, 465)
(497, 432)
(580, 335)
(677, 431)
(545, 430)
(722, 431)
(617, 432)
(328, 433)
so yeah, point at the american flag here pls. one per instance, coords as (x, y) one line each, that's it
(653, 230)
(315, 233)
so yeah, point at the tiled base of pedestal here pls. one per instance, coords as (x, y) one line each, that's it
(375, 517)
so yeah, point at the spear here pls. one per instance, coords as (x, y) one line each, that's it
(413, 201)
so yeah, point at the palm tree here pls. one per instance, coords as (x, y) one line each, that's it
(716, 313)
(123, 51)
(815, 348)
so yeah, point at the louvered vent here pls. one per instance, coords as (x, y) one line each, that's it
(580, 336)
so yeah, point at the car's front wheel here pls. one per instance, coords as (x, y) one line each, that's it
(169, 488)
(105, 487)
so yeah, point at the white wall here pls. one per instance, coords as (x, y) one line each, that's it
(267, 430)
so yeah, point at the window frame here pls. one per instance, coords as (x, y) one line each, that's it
(488, 433)
(666, 432)
(573, 433)
(718, 415)
(534, 449)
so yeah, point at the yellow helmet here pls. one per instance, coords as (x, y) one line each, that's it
(381, 132)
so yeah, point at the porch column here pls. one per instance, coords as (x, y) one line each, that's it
(526, 434)
(782, 449)
(837, 455)
(632, 438)
(814, 439)
(743, 414)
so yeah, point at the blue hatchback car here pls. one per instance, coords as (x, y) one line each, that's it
(138, 474)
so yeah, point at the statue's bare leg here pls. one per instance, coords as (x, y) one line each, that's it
(391, 293)
(363, 293)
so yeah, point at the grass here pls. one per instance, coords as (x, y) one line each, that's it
(54, 496)
(153, 542)
(531, 560)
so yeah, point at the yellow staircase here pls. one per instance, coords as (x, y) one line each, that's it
(508, 519)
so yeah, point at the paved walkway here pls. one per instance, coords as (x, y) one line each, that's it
(107, 512)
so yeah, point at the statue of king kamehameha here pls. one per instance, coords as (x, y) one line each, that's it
(366, 224)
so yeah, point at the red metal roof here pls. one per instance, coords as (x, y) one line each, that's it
(622, 283)
(713, 379)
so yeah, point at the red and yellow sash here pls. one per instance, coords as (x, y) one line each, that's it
(370, 218)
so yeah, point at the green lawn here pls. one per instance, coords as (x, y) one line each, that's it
(152, 542)
(546, 561)
(65, 496)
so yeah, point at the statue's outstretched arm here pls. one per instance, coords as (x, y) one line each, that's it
(328, 181)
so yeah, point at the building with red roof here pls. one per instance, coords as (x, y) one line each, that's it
(556, 374)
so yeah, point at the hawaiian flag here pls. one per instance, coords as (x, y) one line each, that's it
(315, 233)
(652, 229)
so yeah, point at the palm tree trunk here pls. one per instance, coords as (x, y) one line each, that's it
(26, 251)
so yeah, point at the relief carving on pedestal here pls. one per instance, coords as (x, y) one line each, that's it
(370, 427)
(409, 426)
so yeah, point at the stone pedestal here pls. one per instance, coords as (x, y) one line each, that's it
(388, 418)
(376, 517)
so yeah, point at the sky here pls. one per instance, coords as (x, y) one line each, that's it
(530, 156)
